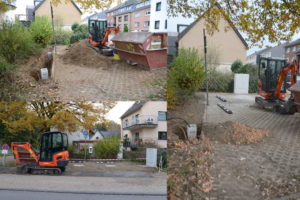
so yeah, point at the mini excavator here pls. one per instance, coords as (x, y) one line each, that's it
(100, 35)
(52, 159)
(275, 77)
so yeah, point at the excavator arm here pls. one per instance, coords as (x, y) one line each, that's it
(293, 68)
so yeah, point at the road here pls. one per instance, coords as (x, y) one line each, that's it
(34, 195)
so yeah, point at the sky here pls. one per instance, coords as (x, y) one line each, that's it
(116, 112)
(21, 9)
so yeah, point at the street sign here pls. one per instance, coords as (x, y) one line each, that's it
(85, 134)
(5, 147)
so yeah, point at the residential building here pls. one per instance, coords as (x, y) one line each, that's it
(224, 47)
(77, 139)
(292, 51)
(140, 17)
(161, 22)
(10, 14)
(135, 14)
(146, 123)
(273, 52)
(65, 14)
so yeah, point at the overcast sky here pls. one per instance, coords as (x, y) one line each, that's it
(21, 9)
(121, 107)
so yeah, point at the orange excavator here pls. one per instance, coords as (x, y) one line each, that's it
(275, 77)
(52, 159)
(100, 35)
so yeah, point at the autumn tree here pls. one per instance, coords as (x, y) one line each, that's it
(260, 20)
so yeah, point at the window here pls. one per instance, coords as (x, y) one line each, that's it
(147, 12)
(136, 24)
(146, 24)
(137, 120)
(120, 19)
(136, 15)
(162, 135)
(166, 24)
(57, 141)
(158, 6)
(126, 123)
(288, 50)
(157, 24)
(294, 48)
(162, 116)
(125, 18)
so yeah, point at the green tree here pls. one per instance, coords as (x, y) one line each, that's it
(41, 30)
(107, 148)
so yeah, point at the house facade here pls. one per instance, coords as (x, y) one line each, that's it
(146, 123)
(224, 46)
(271, 52)
(292, 51)
(65, 14)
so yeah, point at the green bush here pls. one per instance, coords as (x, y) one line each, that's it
(74, 27)
(77, 37)
(62, 37)
(41, 31)
(107, 148)
(185, 76)
(4, 65)
(125, 29)
(236, 65)
(16, 42)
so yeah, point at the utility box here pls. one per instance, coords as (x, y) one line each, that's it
(144, 48)
(241, 83)
(192, 131)
(151, 157)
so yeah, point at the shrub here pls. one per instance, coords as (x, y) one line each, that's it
(219, 81)
(77, 37)
(62, 37)
(41, 31)
(236, 65)
(74, 26)
(185, 76)
(15, 42)
(107, 148)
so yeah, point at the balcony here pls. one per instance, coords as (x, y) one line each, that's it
(143, 121)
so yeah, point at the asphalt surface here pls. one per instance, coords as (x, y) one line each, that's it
(156, 185)
(35, 195)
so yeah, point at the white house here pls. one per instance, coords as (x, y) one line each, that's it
(160, 22)
(146, 123)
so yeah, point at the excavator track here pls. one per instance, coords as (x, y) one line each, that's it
(45, 171)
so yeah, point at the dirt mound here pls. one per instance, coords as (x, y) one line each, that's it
(235, 133)
(188, 169)
(81, 54)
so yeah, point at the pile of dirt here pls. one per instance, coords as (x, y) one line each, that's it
(234, 133)
(81, 54)
(188, 169)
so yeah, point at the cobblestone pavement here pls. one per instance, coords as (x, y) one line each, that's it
(238, 169)
(118, 81)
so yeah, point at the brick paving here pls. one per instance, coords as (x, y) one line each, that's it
(118, 81)
(237, 169)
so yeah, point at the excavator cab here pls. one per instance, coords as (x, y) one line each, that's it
(268, 73)
(97, 29)
(52, 158)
